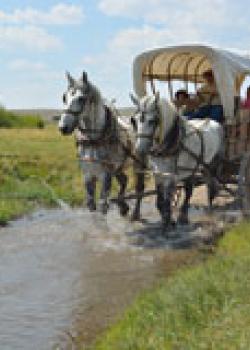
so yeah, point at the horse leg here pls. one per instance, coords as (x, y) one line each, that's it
(90, 186)
(105, 191)
(183, 216)
(123, 206)
(166, 212)
(160, 198)
(212, 192)
(139, 189)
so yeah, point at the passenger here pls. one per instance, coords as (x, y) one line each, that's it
(208, 100)
(246, 103)
(183, 102)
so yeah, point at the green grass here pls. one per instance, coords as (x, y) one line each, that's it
(10, 120)
(203, 307)
(32, 163)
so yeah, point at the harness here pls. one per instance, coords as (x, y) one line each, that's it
(107, 134)
(174, 143)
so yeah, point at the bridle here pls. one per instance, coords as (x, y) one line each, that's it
(156, 124)
(106, 135)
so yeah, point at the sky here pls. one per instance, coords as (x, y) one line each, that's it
(40, 40)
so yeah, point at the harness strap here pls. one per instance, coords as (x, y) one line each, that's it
(178, 146)
(106, 137)
(199, 158)
(106, 134)
(171, 141)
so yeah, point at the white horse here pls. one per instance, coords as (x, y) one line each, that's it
(104, 143)
(177, 148)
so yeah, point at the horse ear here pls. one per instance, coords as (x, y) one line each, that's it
(84, 77)
(71, 80)
(134, 99)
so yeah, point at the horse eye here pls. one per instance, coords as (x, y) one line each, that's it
(81, 100)
(64, 98)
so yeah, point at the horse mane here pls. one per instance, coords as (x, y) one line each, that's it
(95, 94)
(95, 101)
(168, 114)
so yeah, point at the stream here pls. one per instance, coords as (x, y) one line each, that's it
(70, 272)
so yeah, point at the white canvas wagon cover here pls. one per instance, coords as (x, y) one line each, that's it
(188, 63)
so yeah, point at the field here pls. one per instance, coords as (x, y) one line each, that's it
(37, 167)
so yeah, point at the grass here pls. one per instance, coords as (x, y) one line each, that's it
(30, 160)
(203, 307)
(10, 120)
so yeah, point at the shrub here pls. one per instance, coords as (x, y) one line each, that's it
(10, 120)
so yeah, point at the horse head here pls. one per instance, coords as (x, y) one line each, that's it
(152, 121)
(76, 99)
(145, 122)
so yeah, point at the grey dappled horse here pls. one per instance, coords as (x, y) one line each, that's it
(104, 142)
(177, 147)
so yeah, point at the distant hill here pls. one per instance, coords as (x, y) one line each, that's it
(48, 114)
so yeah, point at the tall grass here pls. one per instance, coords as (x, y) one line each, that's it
(36, 165)
(206, 307)
(10, 120)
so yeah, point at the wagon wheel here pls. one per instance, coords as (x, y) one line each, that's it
(244, 185)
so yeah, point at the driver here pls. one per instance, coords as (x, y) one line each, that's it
(208, 100)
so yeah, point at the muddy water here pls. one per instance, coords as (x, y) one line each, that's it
(65, 272)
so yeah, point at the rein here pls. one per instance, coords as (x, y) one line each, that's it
(171, 141)
(106, 134)
(173, 144)
(106, 137)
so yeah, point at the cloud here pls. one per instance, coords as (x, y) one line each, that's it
(24, 64)
(60, 14)
(172, 13)
(28, 37)
(127, 43)
(114, 66)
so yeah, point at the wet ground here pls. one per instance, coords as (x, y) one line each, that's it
(69, 272)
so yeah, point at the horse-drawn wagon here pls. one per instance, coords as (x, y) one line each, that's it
(182, 151)
(184, 66)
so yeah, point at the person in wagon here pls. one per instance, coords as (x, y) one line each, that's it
(184, 104)
(208, 100)
(246, 103)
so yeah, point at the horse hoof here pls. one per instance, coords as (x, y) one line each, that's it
(103, 207)
(183, 220)
(123, 209)
(168, 226)
(135, 217)
(91, 206)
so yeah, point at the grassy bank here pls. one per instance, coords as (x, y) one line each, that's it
(10, 120)
(204, 307)
(36, 165)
